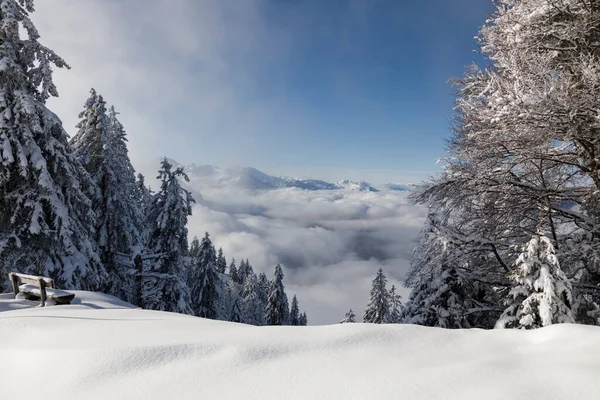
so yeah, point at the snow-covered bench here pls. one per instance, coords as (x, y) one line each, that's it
(39, 287)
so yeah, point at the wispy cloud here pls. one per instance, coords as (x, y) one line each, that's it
(330, 243)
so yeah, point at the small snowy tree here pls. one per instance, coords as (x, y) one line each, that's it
(236, 314)
(541, 295)
(303, 319)
(46, 215)
(253, 309)
(143, 194)
(444, 301)
(277, 312)
(221, 262)
(165, 286)
(205, 282)
(396, 307)
(378, 309)
(233, 271)
(350, 317)
(294, 312)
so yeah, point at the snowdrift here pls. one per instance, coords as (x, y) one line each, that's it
(102, 348)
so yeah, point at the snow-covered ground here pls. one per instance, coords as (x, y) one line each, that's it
(101, 348)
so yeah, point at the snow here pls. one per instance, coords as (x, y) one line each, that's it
(102, 348)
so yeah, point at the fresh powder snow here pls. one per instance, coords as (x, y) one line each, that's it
(101, 347)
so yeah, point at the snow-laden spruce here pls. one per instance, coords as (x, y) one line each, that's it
(204, 280)
(378, 309)
(46, 215)
(542, 293)
(253, 306)
(165, 283)
(278, 312)
(349, 318)
(101, 146)
(396, 306)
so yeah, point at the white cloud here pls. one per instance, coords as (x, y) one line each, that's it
(330, 243)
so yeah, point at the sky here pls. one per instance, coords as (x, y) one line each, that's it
(332, 90)
(339, 89)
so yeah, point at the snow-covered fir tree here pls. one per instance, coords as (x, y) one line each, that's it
(236, 314)
(194, 251)
(100, 145)
(165, 285)
(378, 309)
(143, 194)
(277, 312)
(263, 288)
(303, 319)
(350, 317)
(233, 271)
(253, 308)
(396, 307)
(221, 261)
(541, 295)
(205, 281)
(46, 215)
(294, 312)
(444, 301)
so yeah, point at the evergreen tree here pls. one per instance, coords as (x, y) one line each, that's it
(195, 250)
(165, 286)
(101, 147)
(294, 312)
(233, 271)
(46, 215)
(446, 301)
(143, 195)
(303, 319)
(396, 307)
(378, 309)
(242, 272)
(277, 312)
(236, 315)
(205, 281)
(221, 262)
(253, 309)
(350, 317)
(263, 288)
(542, 293)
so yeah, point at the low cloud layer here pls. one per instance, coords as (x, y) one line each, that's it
(330, 243)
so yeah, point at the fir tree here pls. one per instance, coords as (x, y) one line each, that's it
(165, 286)
(101, 147)
(195, 250)
(205, 281)
(263, 288)
(445, 301)
(349, 318)
(277, 312)
(221, 262)
(233, 271)
(236, 314)
(303, 319)
(541, 295)
(46, 215)
(143, 195)
(378, 309)
(253, 309)
(294, 312)
(396, 307)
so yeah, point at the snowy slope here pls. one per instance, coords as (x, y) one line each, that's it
(81, 352)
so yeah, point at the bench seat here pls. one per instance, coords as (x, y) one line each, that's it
(59, 296)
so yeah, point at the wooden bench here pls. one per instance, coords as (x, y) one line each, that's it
(39, 287)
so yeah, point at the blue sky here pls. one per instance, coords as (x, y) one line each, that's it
(338, 88)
